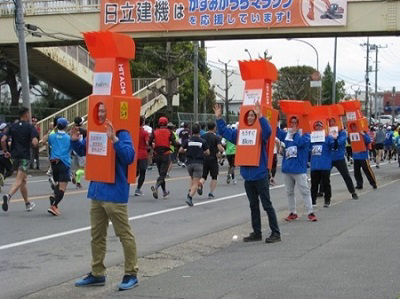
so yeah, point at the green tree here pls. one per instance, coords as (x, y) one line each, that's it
(294, 84)
(327, 81)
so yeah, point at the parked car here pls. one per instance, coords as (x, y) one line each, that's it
(386, 119)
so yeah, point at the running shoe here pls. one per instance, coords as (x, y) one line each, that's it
(354, 196)
(91, 280)
(155, 193)
(189, 201)
(292, 216)
(54, 211)
(6, 201)
(312, 217)
(78, 185)
(165, 194)
(128, 282)
(200, 189)
(210, 196)
(228, 179)
(138, 192)
(29, 206)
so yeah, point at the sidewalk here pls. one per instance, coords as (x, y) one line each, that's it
(352, 252)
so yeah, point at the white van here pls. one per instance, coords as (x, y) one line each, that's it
(386, 119)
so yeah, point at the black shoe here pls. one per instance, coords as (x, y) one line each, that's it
(377, 166)
(359, 187)
(155, 193)
(375, 186)
(189, 201)
(327, 204)
(6, 200)
(354, 196)
(320, 194)
(200, 190)
(273, 238)
(252, 237)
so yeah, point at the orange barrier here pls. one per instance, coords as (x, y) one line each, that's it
(258, 76)
(112, 87)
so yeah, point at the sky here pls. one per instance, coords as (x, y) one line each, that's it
(350, 61)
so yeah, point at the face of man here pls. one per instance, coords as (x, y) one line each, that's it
(332, 122)
(318, 127)
(102, 113)
(251, 117)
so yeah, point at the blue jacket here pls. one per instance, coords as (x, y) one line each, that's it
(295, 156)
(363, 155)
(338, 154)
(321, 154)
(60, 143)
(117, 192)
(388, 138)
(250, 173)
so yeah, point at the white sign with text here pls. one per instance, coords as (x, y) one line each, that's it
(247, 137)
(251, 96)
(351, 116)
(334, 131)
(102, 84)
(97, 144)
(354, 137)
(317, 136)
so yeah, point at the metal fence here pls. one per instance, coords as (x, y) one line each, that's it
(80, 54)
(45, 7)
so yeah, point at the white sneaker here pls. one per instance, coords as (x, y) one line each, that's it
(29, 206)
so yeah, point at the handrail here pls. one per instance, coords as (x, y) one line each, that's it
(46, 7)
(80, 108)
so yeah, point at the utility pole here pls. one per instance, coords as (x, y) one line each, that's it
(366, 77)
(203, 47)
(334, 73)
(23, 56)
(196, 82)
(226, 89)
(376, 48)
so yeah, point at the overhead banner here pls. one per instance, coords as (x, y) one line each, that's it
(182, 15)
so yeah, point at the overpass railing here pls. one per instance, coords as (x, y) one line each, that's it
(45, 7)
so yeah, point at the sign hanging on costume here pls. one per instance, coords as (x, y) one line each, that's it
(97, 144)
(181, 15)
(247, 137)
(317, 136)
(102, 84)
(251, 96)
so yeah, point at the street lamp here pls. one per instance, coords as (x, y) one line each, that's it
(316, 54)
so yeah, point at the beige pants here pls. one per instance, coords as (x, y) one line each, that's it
(100, 214)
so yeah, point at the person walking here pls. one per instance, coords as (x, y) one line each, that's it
(339, 161)
(161, 139)
(255, 177)
(195, 148)
(60, 160)
(6, 167)
(379, 141)
(142, 157)
(23, 135)
(210, 164)
(294, 167)
(109, 201)
(230, 153)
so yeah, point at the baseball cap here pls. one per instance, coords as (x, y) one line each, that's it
(78, 121)
(2, 126)
(163, 121)
(62, 123)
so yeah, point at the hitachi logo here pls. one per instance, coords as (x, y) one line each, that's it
(122, 83)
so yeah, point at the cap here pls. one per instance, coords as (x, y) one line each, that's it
(62, 123)
(162, 121)
(2, 126)
(78, 121)
(318, 123)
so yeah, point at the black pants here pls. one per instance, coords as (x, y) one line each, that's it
(162, 162)
(364, 164)
(6, 167)
(321, 177)
(141, 172)
(341, 166)
(256, 190)
(274, 164)
(349, 153)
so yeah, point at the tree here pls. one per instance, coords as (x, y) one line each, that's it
(327, 81)
(294, 84)
(173, 62)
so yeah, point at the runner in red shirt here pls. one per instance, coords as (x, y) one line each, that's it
(142, 156)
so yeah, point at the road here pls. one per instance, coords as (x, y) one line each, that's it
(39, 251)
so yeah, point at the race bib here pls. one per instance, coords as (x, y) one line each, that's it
(291, 152)
(316, 150)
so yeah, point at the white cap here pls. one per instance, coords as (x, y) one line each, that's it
(2, 126)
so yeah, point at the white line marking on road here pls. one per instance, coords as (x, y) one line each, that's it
(82, 229)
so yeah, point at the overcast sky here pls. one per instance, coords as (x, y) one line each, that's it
(351, 57)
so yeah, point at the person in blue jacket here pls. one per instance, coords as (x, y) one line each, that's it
(60, 161)
(109, 201)
(321, 164)
(361, 161)
(397, 144)
(255, 177)
(338, 159)
(388, 144)
(294, 167)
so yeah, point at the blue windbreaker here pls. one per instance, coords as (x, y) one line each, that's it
(321, 154)
(295, 156)
(363, 155)
(389, 138)
(60, 143)
(117, 192)
(250, 173)
(338, 154)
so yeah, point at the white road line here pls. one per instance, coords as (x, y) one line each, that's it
(82, 229)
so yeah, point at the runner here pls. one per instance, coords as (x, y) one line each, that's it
(6, 167)
(230, 153)
(195, 148)
(161, 139)
(23, 135)
(142, 157)
(210, 164)
(78, 162)
(60, 159)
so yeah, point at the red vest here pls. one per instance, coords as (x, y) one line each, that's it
(162, 138)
